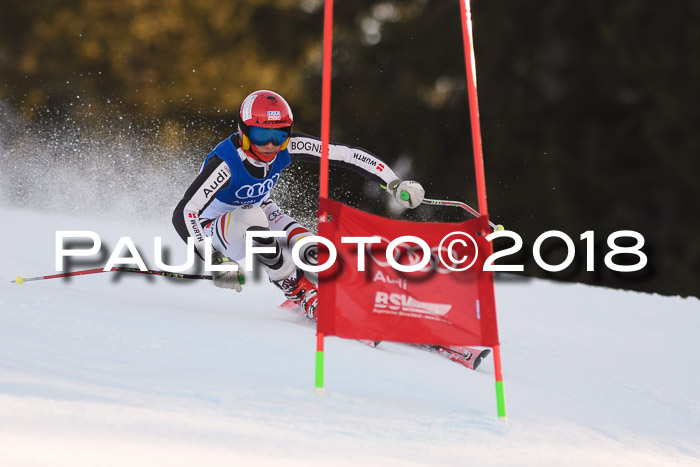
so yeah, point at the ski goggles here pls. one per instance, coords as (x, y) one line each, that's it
(262, 136)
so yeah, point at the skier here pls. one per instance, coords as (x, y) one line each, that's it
(231, 195)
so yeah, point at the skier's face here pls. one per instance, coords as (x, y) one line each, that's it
(266, 152)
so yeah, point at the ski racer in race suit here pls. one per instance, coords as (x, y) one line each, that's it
(231, 195)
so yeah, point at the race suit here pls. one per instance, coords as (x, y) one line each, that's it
(227, 181)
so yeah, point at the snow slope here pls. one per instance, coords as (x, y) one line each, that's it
(135, 370)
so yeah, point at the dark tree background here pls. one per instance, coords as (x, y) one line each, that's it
(589, 110)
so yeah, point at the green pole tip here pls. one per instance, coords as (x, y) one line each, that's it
(405, 196)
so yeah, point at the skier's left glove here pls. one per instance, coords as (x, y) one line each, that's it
(227, 279)
(408, 194)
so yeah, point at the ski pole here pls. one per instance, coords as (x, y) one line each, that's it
(459, 204)
(21, 280)
(443, 202)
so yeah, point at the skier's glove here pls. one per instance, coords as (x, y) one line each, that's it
(407, 193)
(227, 279)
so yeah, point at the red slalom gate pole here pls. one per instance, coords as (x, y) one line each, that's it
(470, 61)
(325, 140)
(326, 96)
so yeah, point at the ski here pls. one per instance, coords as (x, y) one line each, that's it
(370, 343)
(293, 307)
(465, 356)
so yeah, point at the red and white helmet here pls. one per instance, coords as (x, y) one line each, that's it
(266, 110)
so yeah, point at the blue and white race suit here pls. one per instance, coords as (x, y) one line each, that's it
(225, 184)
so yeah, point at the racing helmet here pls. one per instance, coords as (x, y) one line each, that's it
(265, 116)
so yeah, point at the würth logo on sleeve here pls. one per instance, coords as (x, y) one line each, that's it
(195, 230)
(380, 167)
(365, 159)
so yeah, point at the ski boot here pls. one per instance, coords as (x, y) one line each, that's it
(300, 290)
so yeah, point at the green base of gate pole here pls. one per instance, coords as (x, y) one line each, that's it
(319, 373)
(501, 401)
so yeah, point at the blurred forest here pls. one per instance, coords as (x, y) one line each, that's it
(590, 110)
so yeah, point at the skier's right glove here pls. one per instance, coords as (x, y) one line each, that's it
(227, 279)
(408, 194)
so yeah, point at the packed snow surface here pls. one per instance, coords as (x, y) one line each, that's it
(136, 370)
